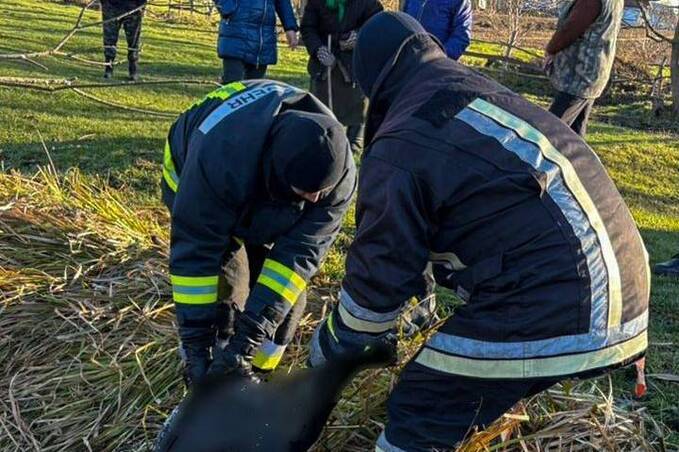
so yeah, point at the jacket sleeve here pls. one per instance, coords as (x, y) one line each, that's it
(461, 30)
(203, 217)
(286, 14)
(309, 28)
(391, 250)
(297, 255)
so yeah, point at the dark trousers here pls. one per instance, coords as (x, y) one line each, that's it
(131, 23)
(572, 110)
(429, 410)
(235, 70)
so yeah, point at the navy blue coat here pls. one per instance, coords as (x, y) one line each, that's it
(248, 29)
(449, 20)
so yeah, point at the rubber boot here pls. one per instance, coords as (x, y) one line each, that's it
(235, 358)
(133, 69)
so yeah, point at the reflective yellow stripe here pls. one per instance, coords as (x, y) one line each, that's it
(363, 326)
(530, 368)
(186, 298)
(529, 133)
(281, 269)
(268, 356)
(287, 294)
(169, 171)
(282, 280)
(222, 93)
(194, 281)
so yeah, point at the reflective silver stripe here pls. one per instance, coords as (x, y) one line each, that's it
(552, 366)
(241, 100)
(576, 343)
(385, 446)
(571, 179)
(567, 202)
(449, 259)
(363, 317)
(364, 326)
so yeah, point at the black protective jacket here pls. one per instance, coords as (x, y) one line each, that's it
(218, 184)
(517, 214)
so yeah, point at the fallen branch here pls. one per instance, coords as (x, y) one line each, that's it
(51, 85)
(125, 107)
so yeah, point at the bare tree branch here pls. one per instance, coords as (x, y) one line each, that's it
(52, 85)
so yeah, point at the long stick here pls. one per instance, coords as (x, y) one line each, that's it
(329, 76)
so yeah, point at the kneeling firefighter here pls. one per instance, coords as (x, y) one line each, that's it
(519, 218)
(257, 176)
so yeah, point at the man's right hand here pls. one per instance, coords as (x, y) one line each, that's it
(325, 56)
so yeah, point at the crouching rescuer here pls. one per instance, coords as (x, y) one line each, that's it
(257, 176)
(519, 218)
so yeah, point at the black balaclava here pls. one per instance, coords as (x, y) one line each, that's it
(391, 47)
(307, 151)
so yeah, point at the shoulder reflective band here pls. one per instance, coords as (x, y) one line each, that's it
(194, 289)
(169, 172)
(548, 153)
(282, 280)
(222, 93)
(533, 368)
(268, 356)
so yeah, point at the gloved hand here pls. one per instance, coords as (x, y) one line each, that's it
(325, 56)
(196, 362)
(333, 339)
(348, 41)
(235, 358)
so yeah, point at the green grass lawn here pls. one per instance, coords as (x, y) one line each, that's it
(125, 148)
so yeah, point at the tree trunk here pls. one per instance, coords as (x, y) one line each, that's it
(674, 67)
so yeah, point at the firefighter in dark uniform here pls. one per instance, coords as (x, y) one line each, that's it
(264, 169)
(518, 216)
(111, 12)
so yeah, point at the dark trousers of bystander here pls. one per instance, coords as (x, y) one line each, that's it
(572, 110)
(235, 70)
(131, 23)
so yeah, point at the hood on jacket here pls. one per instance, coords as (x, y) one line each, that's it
(308, 151)
(391, 48)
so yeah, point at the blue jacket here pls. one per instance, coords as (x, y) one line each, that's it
(449, 20)
(247, 30)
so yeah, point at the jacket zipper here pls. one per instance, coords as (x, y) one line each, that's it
(261, 32)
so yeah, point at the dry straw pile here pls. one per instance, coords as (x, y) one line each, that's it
(89, 350)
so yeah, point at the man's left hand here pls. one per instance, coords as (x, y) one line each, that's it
(291, 36)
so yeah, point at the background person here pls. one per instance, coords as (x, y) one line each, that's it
(340, 19)
(131, 23)
(247, 42)
(519, 218)
(449, 20)
(579, 57)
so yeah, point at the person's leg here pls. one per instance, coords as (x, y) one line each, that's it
(233, 291)
(580, 123)
(254, 72)
(233, 70)
(568, 108)
(111, 28)
(429, 410)
(132, 24)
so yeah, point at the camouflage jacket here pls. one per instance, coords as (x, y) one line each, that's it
(583, 68)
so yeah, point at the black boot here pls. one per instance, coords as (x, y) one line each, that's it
(108, 70)
(134, 74)
(669, 268)
(355, 137)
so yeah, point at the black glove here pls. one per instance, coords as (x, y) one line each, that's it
(325, 56)
(333, 339)
(348, 41)
(196, 362)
